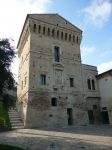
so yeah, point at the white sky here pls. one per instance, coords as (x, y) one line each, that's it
(13, 14)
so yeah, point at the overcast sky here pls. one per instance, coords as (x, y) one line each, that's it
(94, 17)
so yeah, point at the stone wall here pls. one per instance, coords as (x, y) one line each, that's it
(37, 58)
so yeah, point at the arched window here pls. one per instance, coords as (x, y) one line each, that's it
(73, 38)
(58, 34)
(89, 84)
(48, 32)
(39, 30)
(44, 30)
(53, 32)
(34, 27)
(69, 37)
(62, 35)
(65, 36)
(93, 84)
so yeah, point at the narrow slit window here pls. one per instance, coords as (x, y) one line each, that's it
(73, 38)
(69, 37)
(77, 39)
(53, 32)
(65, 36)
(58, 34)
(44, 30)
(39, 30)
(34, 28)
(57, 54)
(48, 32)
(62, 35)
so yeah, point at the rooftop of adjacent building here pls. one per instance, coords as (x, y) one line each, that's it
(89, 67)
(104, 74)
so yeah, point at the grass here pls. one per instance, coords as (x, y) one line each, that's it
(4, 118)
(9, 147)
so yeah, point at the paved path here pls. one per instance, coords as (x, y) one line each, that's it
(74, 138)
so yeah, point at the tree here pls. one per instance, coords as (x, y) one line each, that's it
(7, 54)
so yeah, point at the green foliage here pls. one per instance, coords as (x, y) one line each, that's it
(9, 147)
(7, 54)
(9, 101)
(4, 118)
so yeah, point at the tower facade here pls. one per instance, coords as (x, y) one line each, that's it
(50, 88)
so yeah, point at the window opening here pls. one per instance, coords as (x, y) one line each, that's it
(54, 101)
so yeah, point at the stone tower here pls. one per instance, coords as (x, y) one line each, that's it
(50, 87)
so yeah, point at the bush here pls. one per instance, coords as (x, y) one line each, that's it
(9, 101)
(4, 118)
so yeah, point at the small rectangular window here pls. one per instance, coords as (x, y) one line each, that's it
(71, 82)
(57, 54)
(43, 79)
(54, 101)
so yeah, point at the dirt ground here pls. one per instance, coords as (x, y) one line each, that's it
(70, 138)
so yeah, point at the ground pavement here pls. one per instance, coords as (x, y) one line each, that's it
(70, 138)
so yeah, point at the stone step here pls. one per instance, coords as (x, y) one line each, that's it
(15, 119)
(11, 113)
(14, 116)
(17, 124)
(18, 127)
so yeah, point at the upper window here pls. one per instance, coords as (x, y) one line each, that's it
(89, 84)
(57, 54)
(93, 84)
(71, 82)
(43, 79)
